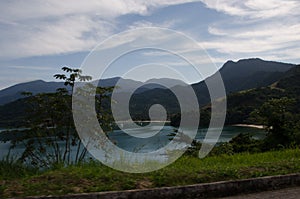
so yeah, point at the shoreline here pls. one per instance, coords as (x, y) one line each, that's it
(250, 125)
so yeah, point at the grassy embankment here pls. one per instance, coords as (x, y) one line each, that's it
(16, 180)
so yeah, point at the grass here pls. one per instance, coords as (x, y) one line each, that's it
(94, 177)
(12, 169)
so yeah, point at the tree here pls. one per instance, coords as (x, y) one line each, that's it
(244, 142)
(51, 137)
(72, 76)
(279, 121)
(71, 138)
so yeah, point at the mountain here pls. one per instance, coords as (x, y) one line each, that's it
(245, 67)
(257, 84)
(247, 73)
(241, 104)
(251, 73)
(162, 83)
(290, 82)
(237, 76)
(14, 114)
(39, 86)
(240, 75)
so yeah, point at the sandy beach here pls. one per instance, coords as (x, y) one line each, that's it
(250, 125)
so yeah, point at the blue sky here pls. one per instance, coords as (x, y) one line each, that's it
(37, 38)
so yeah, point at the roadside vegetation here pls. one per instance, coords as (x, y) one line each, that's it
(16, 180)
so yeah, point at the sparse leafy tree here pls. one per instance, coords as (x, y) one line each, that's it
(51, 137)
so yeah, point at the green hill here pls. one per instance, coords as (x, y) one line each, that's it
(240, 104)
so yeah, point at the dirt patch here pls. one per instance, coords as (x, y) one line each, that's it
(144, 184)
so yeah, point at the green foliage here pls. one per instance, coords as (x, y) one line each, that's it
(14, 114)
(245, 143)
(193, 150)
(74, 75)
(239, 144)
(12, 168)
(94, 176)
(222, 149)
(277, 117)
(205, 112)
(241, 104)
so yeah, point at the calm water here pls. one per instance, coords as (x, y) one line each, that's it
(155, 142)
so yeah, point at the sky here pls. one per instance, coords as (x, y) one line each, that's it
(38, 37)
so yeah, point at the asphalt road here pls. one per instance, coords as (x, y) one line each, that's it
(289, 193)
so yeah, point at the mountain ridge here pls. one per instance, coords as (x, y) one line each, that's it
(14, 92)
(140, 102)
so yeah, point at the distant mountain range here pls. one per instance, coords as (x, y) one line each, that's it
(13, 93)
(237, 76)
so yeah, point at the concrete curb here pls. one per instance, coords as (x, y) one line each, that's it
(207, 190)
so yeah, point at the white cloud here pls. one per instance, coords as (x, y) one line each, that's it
(34, 9)
(40, 68)
(71, 34)
(256, 9)
(256, 28)
(143, 24)
(255, 39)
(33, 27)
(15, 10)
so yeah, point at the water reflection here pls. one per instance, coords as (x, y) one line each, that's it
(143, 145)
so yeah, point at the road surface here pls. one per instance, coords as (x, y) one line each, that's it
(289, 193)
